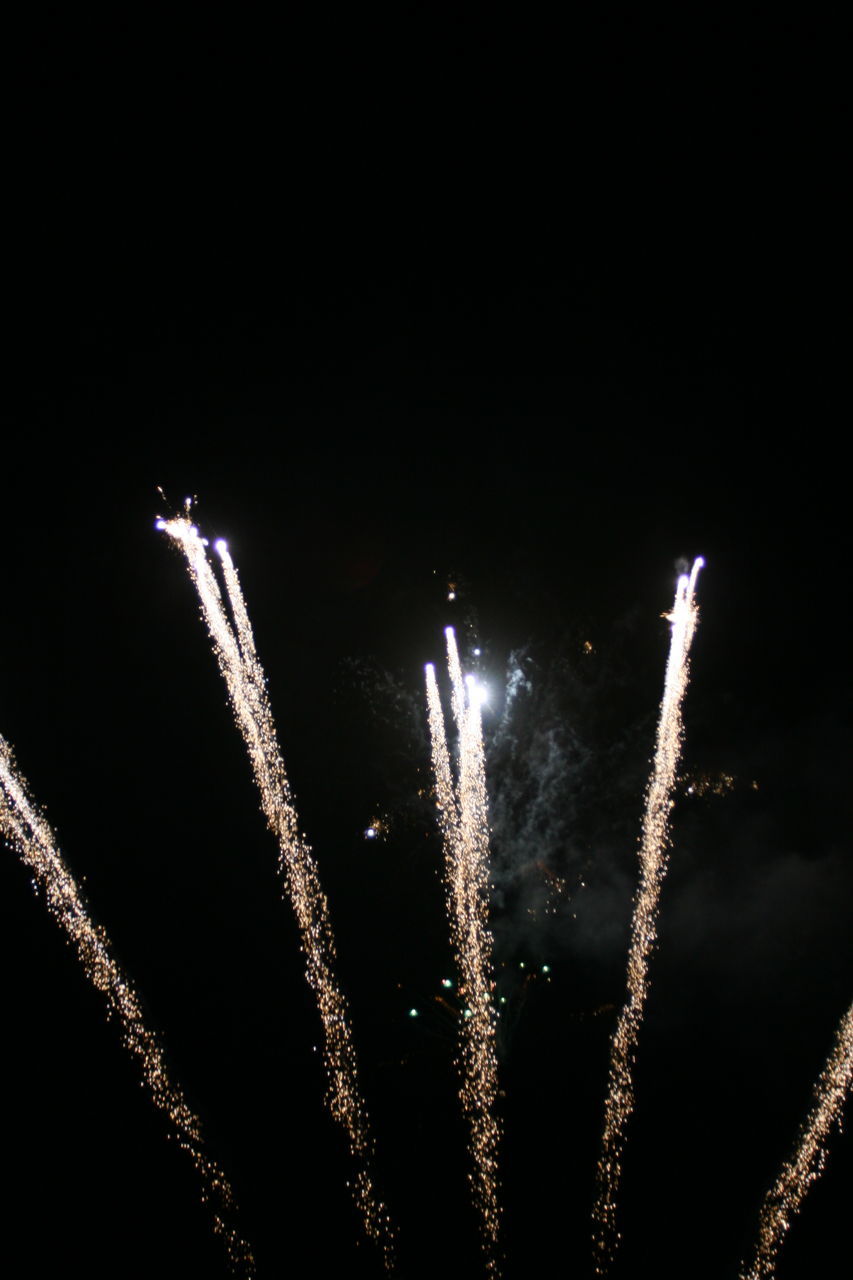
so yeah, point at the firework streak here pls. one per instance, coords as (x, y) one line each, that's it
(244, 677)
(653, 865)
(783, 1200)
(26, 830)
(463, 816)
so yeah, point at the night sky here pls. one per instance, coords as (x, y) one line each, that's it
(406, 325)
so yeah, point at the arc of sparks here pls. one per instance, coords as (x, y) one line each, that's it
(246, 683)
(463, 818)
(653, 865)
(803, 1168)
(26, 830)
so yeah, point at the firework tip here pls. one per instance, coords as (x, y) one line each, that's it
(221, 546)
(449, 632)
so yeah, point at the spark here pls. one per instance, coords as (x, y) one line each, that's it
(782, 1202)
(27, 831)
(463, 817)
(653, 864)
(246, 684)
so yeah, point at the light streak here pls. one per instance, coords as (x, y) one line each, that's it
(782, 1202)
(464, 822)
(27, 831)
(246, 683)
(653, 864)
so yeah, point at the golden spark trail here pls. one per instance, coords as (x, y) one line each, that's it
(246, 684)
(782, 1202)
(653, 865)
(26, 830)
(463, 816)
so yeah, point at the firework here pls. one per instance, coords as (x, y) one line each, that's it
(783, 1200)
(463, 816)
(24, 827)
(653, 865)
(246, 683)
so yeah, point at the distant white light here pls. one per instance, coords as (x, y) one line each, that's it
(160, 524)
(478, 693)
(477, 653)
(370, 833)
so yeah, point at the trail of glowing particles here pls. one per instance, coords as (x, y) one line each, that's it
(463, 817)
(246, 684)
(653, 864)
(24, 828)
(783, 1200)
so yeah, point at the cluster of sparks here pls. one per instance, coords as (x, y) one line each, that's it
(653, 865)
(805, 1166)
(463, 815)
(26, 830)
(234, 647)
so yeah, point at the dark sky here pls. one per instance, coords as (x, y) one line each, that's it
(539, 317)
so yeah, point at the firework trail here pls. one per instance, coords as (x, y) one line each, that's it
(782, 1202)
(463, 817)
(653, 864)
(246, 683)
(26, 830)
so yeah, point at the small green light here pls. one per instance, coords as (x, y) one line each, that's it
(546, 968)
(447, 982)
(413, 1013)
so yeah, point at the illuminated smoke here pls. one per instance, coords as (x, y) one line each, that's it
(26, 830)
(463, 816)
(246, 683)
(783, 1200)
(653, 865)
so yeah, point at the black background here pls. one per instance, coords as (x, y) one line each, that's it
(537, 312)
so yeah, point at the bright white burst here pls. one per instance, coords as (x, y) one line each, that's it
(463, 816)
